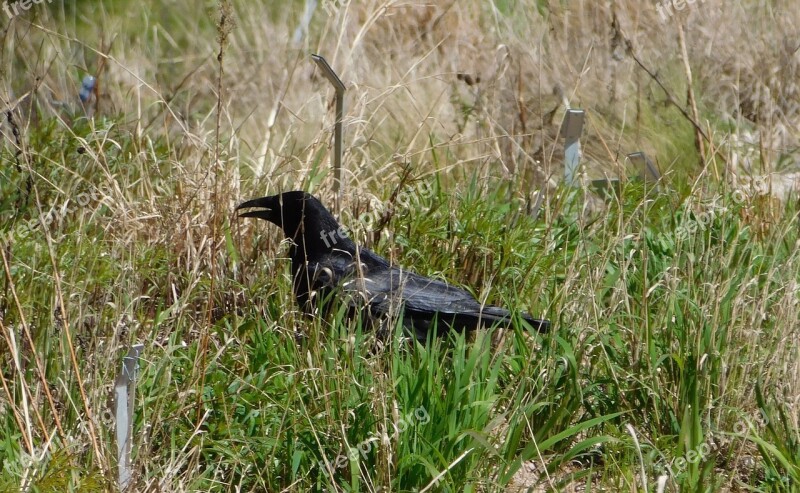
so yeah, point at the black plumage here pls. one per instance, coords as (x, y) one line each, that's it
(325, 261)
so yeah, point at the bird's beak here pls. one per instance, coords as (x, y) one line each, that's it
(265, 204)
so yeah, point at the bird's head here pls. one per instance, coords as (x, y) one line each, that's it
(301, 216)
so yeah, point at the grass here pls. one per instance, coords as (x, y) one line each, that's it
(672, 364)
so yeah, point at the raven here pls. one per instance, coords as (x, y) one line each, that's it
(324, 259)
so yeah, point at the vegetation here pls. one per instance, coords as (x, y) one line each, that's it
(673, 361)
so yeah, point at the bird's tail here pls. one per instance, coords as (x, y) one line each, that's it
(538, 324)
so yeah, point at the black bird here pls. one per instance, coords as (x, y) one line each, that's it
(324, 258)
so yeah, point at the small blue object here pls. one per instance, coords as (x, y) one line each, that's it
(87, 86)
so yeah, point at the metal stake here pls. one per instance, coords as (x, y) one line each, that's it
(571, 130)
(125, 389)
(338, 86)
(647, 170)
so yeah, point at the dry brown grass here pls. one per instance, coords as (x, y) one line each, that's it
(401, 60)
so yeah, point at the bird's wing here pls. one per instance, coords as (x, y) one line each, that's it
(389, 290)
(416, 292)
(381, 284)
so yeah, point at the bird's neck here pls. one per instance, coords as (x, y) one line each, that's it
(313, 244)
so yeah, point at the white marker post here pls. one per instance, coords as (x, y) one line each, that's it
(571, 130)
(125, 389)
(647, 170)
(338, 86)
